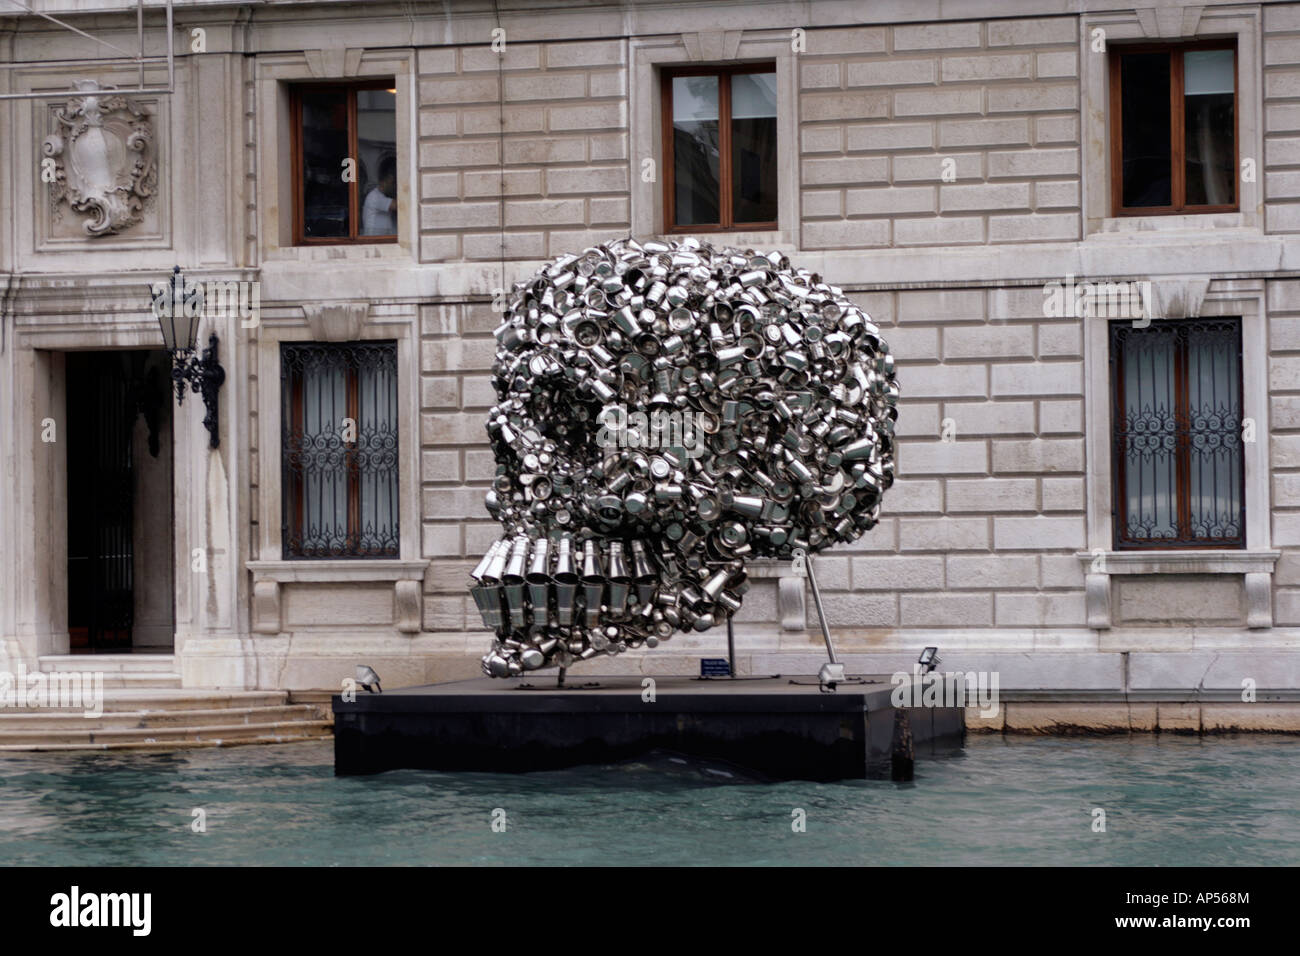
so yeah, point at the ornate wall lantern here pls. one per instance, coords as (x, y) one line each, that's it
(178, 308)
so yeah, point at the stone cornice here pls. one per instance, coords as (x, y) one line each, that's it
(1213, 254)
(287, 25)
(647, 17)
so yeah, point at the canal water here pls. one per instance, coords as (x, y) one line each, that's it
(1167, 801)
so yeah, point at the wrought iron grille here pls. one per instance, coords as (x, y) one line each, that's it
(1176, 424)
(101, 499)
(339, 445)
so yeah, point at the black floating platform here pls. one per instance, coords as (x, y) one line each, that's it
(783, 728)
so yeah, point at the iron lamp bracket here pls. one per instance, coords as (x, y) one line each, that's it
(204, 376)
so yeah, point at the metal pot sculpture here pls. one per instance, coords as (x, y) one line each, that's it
(665, 411)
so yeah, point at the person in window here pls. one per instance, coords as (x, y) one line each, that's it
(379, 213)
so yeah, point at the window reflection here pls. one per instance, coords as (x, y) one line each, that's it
(695, 149)
(324, 147)
(753, 146)
(377, 173)
(1145, 79)
(1208, 93)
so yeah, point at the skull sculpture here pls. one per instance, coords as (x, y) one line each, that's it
(665, 411)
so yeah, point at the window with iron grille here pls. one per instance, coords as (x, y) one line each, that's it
(339, 440)
(1177, 441)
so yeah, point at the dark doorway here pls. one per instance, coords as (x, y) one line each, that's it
(119, 501)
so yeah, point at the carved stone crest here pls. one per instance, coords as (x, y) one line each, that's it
(103, 159)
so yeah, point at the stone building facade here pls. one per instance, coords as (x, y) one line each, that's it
(949, 165)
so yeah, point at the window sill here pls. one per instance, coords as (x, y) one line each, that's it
(337, 569)
(1191, 223)
(406, 577)
(1256, 567)
(1198, 561)
(335, 251)
(768, 240)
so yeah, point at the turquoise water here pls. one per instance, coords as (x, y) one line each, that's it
(1168, 801)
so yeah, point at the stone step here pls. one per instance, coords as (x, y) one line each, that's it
(164, 737)
(154, 680)
(110, 663)
(165, 746)
(117, 681)
(58, 720)
(165, 699)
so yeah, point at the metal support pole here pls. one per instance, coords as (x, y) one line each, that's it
(821, 614)
(731, 648)
(831, 672)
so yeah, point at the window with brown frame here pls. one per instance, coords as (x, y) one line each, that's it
(1173, 128)
(719, 147)
(339, 449)
(344, 162)
(1176, 428)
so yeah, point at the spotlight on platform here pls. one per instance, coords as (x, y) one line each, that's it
(929, 659)
(367, 678)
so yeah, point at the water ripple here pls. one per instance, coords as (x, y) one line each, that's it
(1168, 801)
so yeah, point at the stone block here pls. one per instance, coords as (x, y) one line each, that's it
(1005, 66)
(848, 105)
(937, 36)
(992, 571)
(1048, 378)
(943, 534)
(846, 234)
(1037, 456)
(1183, 599)
(935, 168)
(1035, 32)
(937, 102)
(946, 381)
(867, 137)
(892, 72)
(946, 610)
(992, 494)
(988, 342)
(983, 132)
(584, 53)
(1041, 610)
(1039, 227)
(1038, 534)
(897, 573)
(970, 419)
(1026, 164)
(950, 230)
(848, 170)
(942, 458)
